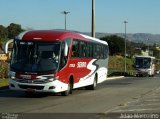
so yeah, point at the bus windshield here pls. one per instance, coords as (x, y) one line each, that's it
(35, 57)
(143, 62)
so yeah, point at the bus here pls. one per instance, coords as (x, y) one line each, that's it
(57, 61)
(145, 65)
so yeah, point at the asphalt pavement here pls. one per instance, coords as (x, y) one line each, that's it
(129, 95)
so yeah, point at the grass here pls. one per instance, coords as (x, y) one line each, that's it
(116, 66)
(4, 82)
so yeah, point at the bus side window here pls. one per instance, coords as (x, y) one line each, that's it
(82, 49)
(63, 60)
(75, 49)
(94, 51)
(106, 51)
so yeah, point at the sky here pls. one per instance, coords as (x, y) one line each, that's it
(142, 15)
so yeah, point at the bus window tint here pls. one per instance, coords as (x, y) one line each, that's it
(83, 49)
(94, 51)
(106, 51)
(89, 50)
(63, 60)
(75, 49)
(98, 51)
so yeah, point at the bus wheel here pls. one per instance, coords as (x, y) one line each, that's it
(94, 85)
(68, 91)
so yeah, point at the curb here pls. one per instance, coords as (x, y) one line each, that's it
(117, 77)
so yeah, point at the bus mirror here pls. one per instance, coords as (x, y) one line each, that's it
(66, 49)
(6, 44)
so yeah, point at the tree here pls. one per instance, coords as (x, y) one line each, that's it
(3, 32)
(14, 30)
(156, 51)
(3, 35)
(116, 44)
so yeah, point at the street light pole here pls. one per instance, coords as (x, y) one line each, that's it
(93, 18)
(148, 47)
(65, 18)
(125, 23)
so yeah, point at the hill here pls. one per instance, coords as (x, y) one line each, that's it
(146, 38)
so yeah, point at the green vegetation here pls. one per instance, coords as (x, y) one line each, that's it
(4, 82)
(158, 64)
(117, 51)
(3, 70)
(3, 74)
(116, 66)
(116, 47)
(9, 32)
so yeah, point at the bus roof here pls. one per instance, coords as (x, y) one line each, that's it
(144, 57)
(94, 39)
(54, 35)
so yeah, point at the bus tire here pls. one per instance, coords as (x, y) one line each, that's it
(68, 91)
(94, 85)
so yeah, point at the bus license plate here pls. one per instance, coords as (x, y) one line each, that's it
(30, 90)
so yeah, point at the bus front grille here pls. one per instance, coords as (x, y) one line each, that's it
(31, 87)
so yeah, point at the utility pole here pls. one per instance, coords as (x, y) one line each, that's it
(125, 66)
(65, 18)
(148, 47)
(93, 18)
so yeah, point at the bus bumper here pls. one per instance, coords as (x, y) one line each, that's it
(54, 87)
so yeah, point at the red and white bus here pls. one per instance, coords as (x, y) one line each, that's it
(57, 61)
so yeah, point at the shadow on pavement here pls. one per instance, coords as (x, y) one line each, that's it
(4, 87)
(121, 74)
(6, 92)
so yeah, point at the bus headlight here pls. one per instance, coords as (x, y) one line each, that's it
(12, 75)
(52, 79)
(48, 78)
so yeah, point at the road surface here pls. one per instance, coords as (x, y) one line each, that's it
(130, 95)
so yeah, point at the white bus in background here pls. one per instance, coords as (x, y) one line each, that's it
(145, 65)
